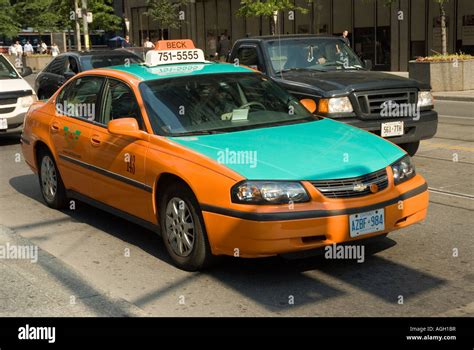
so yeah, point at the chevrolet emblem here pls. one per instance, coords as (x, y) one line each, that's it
(359, 187)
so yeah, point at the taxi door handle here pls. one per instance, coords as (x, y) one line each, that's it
(95, 140)
(54, 127)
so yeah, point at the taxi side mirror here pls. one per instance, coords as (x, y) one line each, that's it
(309, 104)
(125, 127)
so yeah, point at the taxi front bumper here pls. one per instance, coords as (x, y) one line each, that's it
(252, 234)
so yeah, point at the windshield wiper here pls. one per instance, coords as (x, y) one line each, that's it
(286, 70)
(197, 133)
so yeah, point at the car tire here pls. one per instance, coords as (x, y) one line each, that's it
(51, 183)
(411, 148)
(182, 229)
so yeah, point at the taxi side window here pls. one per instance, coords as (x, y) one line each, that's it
(248, 56)
(120, 102)
(80, 98)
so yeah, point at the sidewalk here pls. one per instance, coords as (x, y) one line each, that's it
(48, 287)
(459, 96)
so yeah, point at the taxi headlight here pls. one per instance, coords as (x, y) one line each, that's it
(27, 101)
(269, 192)
(425, 99)
(403, 170)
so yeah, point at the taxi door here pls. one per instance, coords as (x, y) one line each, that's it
(120, 160)
(70, 132)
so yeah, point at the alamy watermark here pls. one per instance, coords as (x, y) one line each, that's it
(392, 109)
(83, 110)
(346, 252)
(228, 156)
(19, 252)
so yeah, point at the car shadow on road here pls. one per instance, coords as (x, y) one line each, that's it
(7, 140)
(271, 282)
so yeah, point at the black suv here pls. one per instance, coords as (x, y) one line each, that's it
(66, 65)
(326, 70)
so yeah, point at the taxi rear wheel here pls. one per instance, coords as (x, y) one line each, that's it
(51, 184)
(182, 229)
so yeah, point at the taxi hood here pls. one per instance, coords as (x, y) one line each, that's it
(317, 150)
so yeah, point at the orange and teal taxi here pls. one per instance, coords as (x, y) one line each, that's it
(216, 158)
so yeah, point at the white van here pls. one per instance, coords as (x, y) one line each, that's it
(16, 96)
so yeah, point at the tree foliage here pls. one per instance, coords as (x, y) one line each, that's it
(9, 27)
(166, 12)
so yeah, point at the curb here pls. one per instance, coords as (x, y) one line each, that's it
(454, 98)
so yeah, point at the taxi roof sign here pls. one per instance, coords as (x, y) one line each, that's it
(184, 44)
(174, 52)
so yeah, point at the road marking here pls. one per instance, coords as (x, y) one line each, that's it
(451, 194)
(446, 146)
(444, 159)
(454, 117)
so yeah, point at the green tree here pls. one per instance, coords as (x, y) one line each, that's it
(41, 15)
(8, 26)
(166, 12)
(103, 14)
(268, 8)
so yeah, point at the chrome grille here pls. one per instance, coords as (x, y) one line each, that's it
(344, 188)
(370, 103)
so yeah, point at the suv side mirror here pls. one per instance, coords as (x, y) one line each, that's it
(26, 71)
(68, 75)
(368, 64)
(125, 127)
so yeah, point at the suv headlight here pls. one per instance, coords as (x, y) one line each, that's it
(335, 105)
(27, 101)
(268, 192)
(425, 99)
(403, 170)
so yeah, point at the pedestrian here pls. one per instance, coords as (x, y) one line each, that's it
(42, 48)
(345, 38)
(211, 45)
(18, 49)
(126, 43)
(54, 50)
(28, 49)
(223, 48)
(12, 50)
(148, 44)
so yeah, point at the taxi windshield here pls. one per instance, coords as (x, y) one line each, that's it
(319, 54)
(6, 70)
(215, 103)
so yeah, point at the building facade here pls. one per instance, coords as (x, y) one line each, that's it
(389, 35)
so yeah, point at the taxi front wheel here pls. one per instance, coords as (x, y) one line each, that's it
(51, 184)
(182, 229)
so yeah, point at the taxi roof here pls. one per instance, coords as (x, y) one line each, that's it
(143, 72)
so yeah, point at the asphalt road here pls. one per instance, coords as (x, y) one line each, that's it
(83, 256)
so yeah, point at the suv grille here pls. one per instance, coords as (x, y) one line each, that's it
(344, 188)
(369, 103)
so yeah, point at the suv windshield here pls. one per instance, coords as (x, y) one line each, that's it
(214, 103)
(319, 54)
(96, 61)
(6, 69)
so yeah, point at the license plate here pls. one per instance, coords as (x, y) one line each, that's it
(367, 222)
(3, 124)
(392, 129)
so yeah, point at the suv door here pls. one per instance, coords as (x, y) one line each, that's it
(52, 77)
(120, 160)
(70, 131)
(249, 55)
